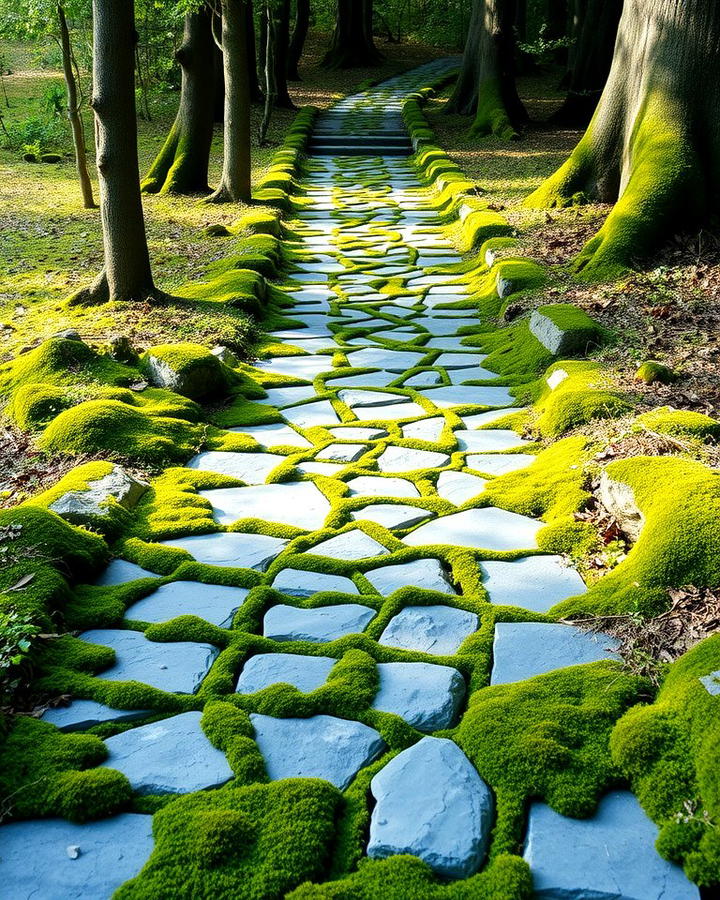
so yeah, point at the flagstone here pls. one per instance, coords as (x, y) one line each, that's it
(437, 630)
(252, 468)
(408, 459)
(498, 463)
(427, 574)
(488, 529)
(459, 487)
(120, 571)
(231, 549)
(306, 673)
(377, 486)
(350, 545)
(318, 625)
(297, 503)
(532, 582)
(392, 515)
(311, 414)
(216, 603)
(276, 435)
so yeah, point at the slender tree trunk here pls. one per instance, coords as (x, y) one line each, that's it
(218, 74)
(270, 70)
(235, 180)
(352, 43)
(297, 41)
(73, 112)
(594, 26)
(281, 14)
(127, 274)
(486, 84)
(256, 95)
(653, 145)
(181, 167)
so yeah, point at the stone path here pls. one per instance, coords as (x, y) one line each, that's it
(393, 429)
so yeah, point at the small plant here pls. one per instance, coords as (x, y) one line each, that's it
(55, 101)
(16, 641)
(543, 49)
(39, 134)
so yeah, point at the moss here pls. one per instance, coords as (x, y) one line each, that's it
(581, 332)
(514, 350)
(669, 752)
(666, 420)
(189, 369)
(240, 289)
(260, 252)
(651, 372)
(492, 116)
(34, 405)
(580, 397)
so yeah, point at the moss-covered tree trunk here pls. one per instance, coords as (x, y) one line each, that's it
(297, 40)
(235, 179)
(352, 43)
(594, 29)
(486, 87)
(127, 274)
(181, 167)
(653, 145)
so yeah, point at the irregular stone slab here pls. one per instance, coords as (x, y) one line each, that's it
(216, 603)
(311, 414)
(499, 463)
(455, 360)
(276, 435)
(36, 865)
(377, 486)
(426, 695)
(487, 529)
(178, 667)
(427, 574)
(171, 756)
(469, 375)
(711, 683)
(231, 550)
(392, 515)
(330, 469)
(371, 379)
(480, 420)
(459, 487)
(619, 499)
(445, 326)
(319, 747)
(379, 358)
(431, 803)
(120, 571)
(358, 433)
(360, 398)
(305, 367)
(407, 459)
(448, 342)
(425, 430)
(82, 507)
(427, 378)
(343, 452)
(393, 413)
(319, 625)
(349, 545)
(533, 582)
(613, 854)
(286, 396)
(489, 440)
(565, 330)
(438, 630)
(306, 673)
(252, 468)
(300, 583)
(545, 647)
(465, 395)
(82, 714)
(297, 503)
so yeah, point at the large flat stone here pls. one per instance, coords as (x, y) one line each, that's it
(407, 459)
(357, 433)
(286, 396)
(425, 430)
(342, 452)
(82, 714)
(524, 649)
(467, 395)
(459, 487)
(483, 529)
(299, 583)
(306, 673)
(371, 379)
(489, 440)
(215, 603)
(349, 545)
(480, 420)
(533, 582)
(395, 412)
(610, 856)
(319, 625)
(390, 360)
(309, 415)
(427, 574)
(37, 858)
(171, 756)
(377, 486)
(438, 630)
(427, 696)
(319, 747)
(305, 367)
(120, 571)
(499, 463)
(300, 504)
(359, 398)
(231, 550)
(177, 666)
(392, 515)
(252, 468)
(275, 435)
(431, 803)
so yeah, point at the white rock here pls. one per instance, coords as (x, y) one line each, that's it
(425, 695)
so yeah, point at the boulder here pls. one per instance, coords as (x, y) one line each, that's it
(85, 507)
(186, 369)
(619, 500)
(427, 696)
(565, 330)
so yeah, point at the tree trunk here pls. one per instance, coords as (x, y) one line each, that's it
(235, 180)
(352, 43)
(486, 84)
(297, 41)
(653, 145)
(181, 167)
(127, 274)
(281, 14)
(73, 112)
(268, 32)
(255, 92)
(595, 25)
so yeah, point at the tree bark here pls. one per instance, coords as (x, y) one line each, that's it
(268, 33)
(352, 43)
(256, 94)
(486, 84)
(297, 41)
(235, 180)
(594, 29)
(181, 167)
(281, 14)
(127, 274)
(73, 112)
(653, 145)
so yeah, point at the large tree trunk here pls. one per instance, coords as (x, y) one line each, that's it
(73, 111)
(654, 142)
(486, 84)
(352, 43)
(127, 274)
(235, 179)
(281, 13)
(181, 167)
(594, 29)
(297, 41)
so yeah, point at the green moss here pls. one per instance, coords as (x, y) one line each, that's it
(492, 116)
(581, 332)
(34, 405)
(240, 289)
(260, 252)
(192, 370)
(666, 420)
(577, 399)
(652, 372)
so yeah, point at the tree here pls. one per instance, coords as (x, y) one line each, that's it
(297, 40)
(486, 84)
(281, 40)
(235, 179)
(127, 274)
(352, 42)
(181, 167)
(653, 145)
(594, 29)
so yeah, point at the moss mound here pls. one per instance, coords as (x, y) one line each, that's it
(666, 420)
(188, 369)
(574, 394)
